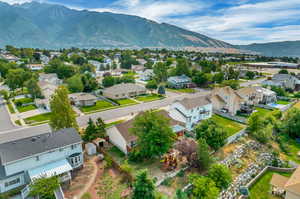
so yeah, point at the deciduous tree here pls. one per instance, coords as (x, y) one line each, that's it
(221, 175)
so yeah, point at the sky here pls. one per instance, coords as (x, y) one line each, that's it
(233, 21)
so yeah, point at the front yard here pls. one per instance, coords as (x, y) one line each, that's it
(37, 119)
(99, 106)
(125, 102)
(21, 104)
(182, 90)
(230, 126)
(149, 98)
(260, 190)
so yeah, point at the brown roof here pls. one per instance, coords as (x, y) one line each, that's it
(279, 180)
(83, 96)
(124, 127)
(293, 184)
(190, 103)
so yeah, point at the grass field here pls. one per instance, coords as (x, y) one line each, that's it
(11, 108)
(38, 118)
(149, 98)
(124, 102)
(230, 126)
(100, 105)
(183, 90)
(22, 109)
(282, 102)
(260, 190)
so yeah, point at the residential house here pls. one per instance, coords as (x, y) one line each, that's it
(55, 54)
(95, 63)
(285, 81)
(120, 135)
(26, 158)
(138, 68)
(225, 99)
(121, 91)
(147, 75)
(178, 82)
(257, 95)
(191, 111)
(82, 99)
(44, 59)
(9, 57)
(50, 78)
(286, 187)
(35, 67)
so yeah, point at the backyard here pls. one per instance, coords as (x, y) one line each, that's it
(42, 118)
(230, 126)
(282, 102)
(262, 111)
(99, 106)
(149, 98)
(291, 147)
(260, 190)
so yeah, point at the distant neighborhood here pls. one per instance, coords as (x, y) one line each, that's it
(97, 124)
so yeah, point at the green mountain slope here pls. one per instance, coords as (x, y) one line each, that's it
(276, 49)
(54, 26)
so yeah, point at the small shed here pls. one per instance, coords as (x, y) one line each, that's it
(90, 149)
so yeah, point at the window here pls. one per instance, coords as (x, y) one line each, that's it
(73, 146)
(76, 160)
(37, 158)
(12, 182)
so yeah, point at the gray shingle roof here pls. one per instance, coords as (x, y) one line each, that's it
(190, 103)
(25, 147)
(121, 88)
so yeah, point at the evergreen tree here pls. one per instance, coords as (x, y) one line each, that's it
(90, 131)
(62, 115)
(161, 90)
(204, 158)
(143, 187)
(33, 88)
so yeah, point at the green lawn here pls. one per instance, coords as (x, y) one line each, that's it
(182, 90)
(230, 126)
(22, 109)
(282, 102)
(38, 118)
(149, 98)
(262, 111)
(23, 100)
(113, 123)
(124, 102)
(11, 108)
(100, 105)
(260, 190)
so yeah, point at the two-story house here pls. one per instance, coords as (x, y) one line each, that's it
(178, 82)
(191, 111)
(286, 81)
(26, 158)
(225, 99)
(257, 95)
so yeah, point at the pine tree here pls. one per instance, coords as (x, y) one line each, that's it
(143, 187)
(62, 115)
(90, 131)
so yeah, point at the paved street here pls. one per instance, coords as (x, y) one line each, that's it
(5, 122)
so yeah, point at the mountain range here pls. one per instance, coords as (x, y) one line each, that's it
(275, 49)
(50, 26)
(54, 26)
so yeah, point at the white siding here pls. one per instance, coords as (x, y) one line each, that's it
(117, 139)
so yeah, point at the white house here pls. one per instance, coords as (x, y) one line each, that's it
(35, 67)
(26, 158)
(191, 111)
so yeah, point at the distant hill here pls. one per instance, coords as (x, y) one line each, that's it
(276, 49)
(42, 25)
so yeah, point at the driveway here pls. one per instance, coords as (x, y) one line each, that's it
(5, 122)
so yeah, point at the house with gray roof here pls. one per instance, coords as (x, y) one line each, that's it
(179, 82)
(191, 111)
(286, 81)
(82, 99)
(121, 91)
(27, 158)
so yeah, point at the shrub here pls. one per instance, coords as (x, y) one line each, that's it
(167, 182)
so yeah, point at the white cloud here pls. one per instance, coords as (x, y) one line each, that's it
(152, 9)
(246, 23)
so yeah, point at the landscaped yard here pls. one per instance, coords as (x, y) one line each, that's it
(260, 190)
(292, 148)
(262, 111)
(149, 98)
(124, 102)
(183, 90)
(38, 118)
(230, 126)
(100, 105)
(282, 102)
(21, 102)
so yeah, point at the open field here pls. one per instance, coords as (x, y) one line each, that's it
(230, 126)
